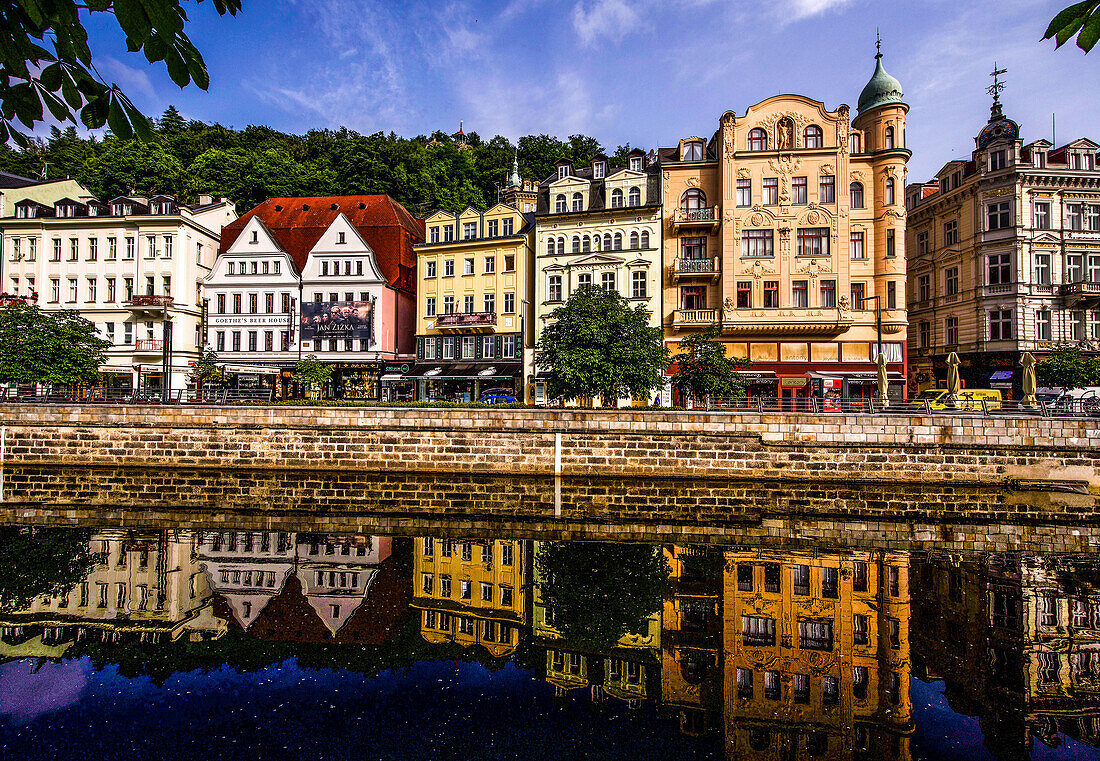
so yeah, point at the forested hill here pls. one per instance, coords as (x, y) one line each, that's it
(250, 165)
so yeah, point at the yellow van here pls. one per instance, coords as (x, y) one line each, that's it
(968, 398)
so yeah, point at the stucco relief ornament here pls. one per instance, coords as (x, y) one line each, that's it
(729, 216)
(828, 169)
(785, 134)
(756, 219)
(744, 173)
(692, 182)
(857, 176)
(759, 269)
(843, 305)
(812, 217)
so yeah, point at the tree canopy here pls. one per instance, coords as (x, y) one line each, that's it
(597, 592)
(1067, 368)
(312, 373)
(63, 80)
(703, 369)
(54, 348)
(598, 345)
(38, 562)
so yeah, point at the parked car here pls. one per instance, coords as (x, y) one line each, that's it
(968, 399)
(497, 396)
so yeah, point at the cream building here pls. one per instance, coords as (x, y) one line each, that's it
(785, 228)
(475, 326)
(133, 266)
(1003, 256)
(598, 225)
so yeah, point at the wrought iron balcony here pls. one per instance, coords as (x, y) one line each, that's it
(696, 269)
(466, 320)
(146, 345)
(149, 304)
(708, 216)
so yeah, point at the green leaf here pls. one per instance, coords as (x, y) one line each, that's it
(116, 119)
(94, 113)
(51, 77)
(141, 124)
(1073, 14)
(134, 22)
(57, 106)
(155, 48)
(177, 67)
(1090, 33)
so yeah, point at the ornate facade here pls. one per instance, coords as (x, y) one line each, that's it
(784, 229)
(1003, 257)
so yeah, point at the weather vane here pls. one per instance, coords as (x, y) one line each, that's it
(995, 88)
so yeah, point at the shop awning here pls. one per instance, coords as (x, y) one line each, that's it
(394, 377)
(756, 376)
(466, 372)
(251, 369)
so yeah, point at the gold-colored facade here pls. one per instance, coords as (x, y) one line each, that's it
(471, 592)
(786, 229)
(475, 327)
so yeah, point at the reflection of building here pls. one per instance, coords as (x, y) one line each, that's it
(130, 265)
(779, 226)
(336, 573)
(1004, 257)
(247, 568)
(471, 591)
(285, 266)
(146, 585)
(474, 323)
(1017, 642)
(691, 636)
(629, 671)
(816, 655)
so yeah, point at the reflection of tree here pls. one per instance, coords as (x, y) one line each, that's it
(37, 562)
(596, 592)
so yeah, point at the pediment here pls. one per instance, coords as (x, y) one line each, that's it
(597, 260)
(1045, 238)
(440, 216)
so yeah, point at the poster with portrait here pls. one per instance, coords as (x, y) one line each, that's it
(333, 320)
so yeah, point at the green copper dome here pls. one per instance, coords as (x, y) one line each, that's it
(882, 90)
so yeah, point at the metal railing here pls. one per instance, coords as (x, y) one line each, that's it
(211, 396)
(1089, 407)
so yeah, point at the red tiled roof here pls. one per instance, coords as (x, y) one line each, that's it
(298, 223)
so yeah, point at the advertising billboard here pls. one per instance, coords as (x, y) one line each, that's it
(337, 319)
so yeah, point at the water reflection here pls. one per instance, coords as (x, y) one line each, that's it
(720, 652)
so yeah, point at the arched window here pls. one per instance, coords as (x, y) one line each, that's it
(811, 136)
(607, 241)
(635, 198)
(889, 191)
(559, 204)
(576, 244)
(693, 151)
(645, 238)
(550, 246)
(596, 242)
(854, 143)
(561, 245)
(693, 199)
(586, 244)
(617, 198)
(634, 240)
(856, 189)
(888, 141)
(578, 202)
(618, 241)
(758, 139)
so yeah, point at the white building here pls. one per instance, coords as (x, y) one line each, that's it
(131, 266)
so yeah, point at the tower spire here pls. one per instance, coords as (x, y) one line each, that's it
(514, 181)
(995, 90)
(878, 44)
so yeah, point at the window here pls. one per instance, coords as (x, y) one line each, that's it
(799, 295)
(891, 249)
(924, 287)
(951, 232)
(131, 247)
(888, 141)
(830, 690)
(859, 629)
(617, 198)
(744, 192)
(636, 163)
(554, 292)
(813, 241)
(812, 136)
(744, 579)
(74, 249)
(465, 590)
(72, 290)
(1042, 268)
(618, 244)
(448, 305)
(744, 294)
(801, 579)
(693, 200)
(692, 151)
(55, 290)
(854, 143)
(758, 140)
(490, 265)
(999, 269)
(559, 204)
(922, 243)
(488, 350)
(772, 688)
(91, 289)
(448, 233)
(111, 295)
(586, 244)
(826, 191)
(771, 191)
(693, 297)
(637, 285)
(800, 688)
(757, 243)
(859, 682)
(493, 228)
(489, 302)
(891, 295)
(576, 244)
(951, 331)
(1042, 325)
(469, 230)
(1000, 324)
(857, 292)
(468, 304)
(744, 683)
(167, 254)
(951, 281)
(997, 160)
(468, 266)
(1093, 218)
(771, 294)
(856, 246)
(93, 249)
(1042, 216)
(693, 249)
(584, 280)
(509, 303)
(429, 306)
(798, 190)
(757, 631)
(578, 202)
(634, 197)
(890, 194)
(771, 577)
(828, 294)
(815, 635)
(1074, 268)
(997, 215)
(509, 262)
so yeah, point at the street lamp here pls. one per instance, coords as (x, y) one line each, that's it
(881, 391)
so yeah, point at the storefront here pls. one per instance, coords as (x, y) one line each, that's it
(465, 382)
(397, 383)
(360, 380)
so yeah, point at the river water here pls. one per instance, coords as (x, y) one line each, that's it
(238, 641)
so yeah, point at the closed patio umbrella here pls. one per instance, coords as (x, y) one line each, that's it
(880, 392)
(1028, 363)
(953, 384)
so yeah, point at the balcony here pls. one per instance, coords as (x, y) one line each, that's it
(694, 318)
(820, 322)
(1081, 291)
(150, 305)
(148, 346)
(467, 321)
(1003, 289)
(709, 216)
(695, 269)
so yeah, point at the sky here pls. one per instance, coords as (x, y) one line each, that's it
(644, 72)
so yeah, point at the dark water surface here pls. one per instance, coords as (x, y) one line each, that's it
(181, 643)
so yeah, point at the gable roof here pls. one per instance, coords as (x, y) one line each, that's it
(9, 180)
(298, 223)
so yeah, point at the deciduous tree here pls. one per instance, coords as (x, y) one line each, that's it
(703, 370)
(54, 348)
(1067, 368)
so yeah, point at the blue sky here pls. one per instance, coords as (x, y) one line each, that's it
(645, 72)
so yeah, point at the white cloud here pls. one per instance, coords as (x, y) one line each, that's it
(800, 9)
(130, 79)
(605, 19)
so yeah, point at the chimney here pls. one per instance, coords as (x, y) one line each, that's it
(205, 199)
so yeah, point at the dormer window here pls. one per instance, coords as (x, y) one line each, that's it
(635, 197)
(116, 209)
(854, 143)
(635, 163)
(617, 198)
(1040, 158)
(255, 237)
(93, 211)
(997, 160)
(559, 204)
(599, 169)
(341, 237)
(693, 151)
(1090, 161)
(563, 171)
(578, 202)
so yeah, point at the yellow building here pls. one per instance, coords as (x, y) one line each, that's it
(475, 327)
(471, 592)
(786, 228)
(816, 655)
